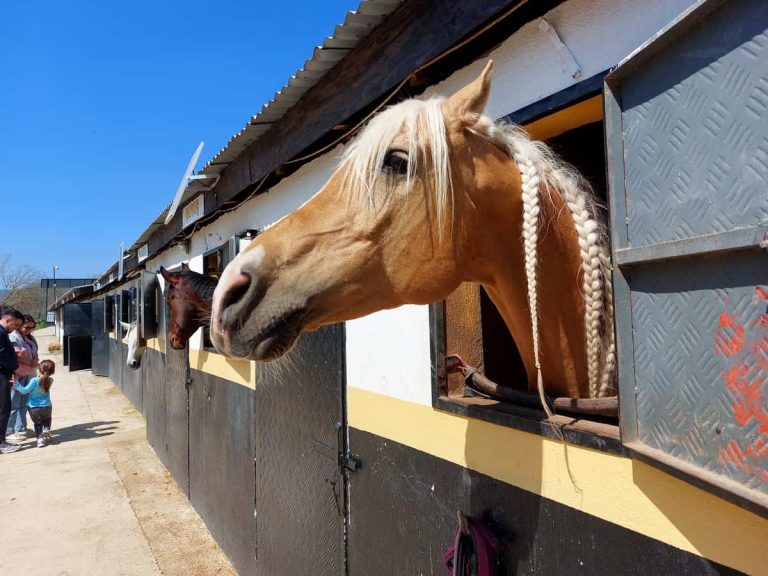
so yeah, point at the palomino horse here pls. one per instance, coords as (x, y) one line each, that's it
(135, 350)
(188, 295)
(429, 195)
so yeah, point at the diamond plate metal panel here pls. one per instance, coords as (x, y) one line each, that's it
(696, 130)
(299, 493)
(688, 167)
(701, 359)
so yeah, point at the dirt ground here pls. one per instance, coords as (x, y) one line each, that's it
(97, 500)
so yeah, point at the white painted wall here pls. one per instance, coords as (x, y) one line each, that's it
(388, 352)
(599, 34)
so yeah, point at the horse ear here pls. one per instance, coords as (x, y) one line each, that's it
(184, 267)
(165, 274)
(470, 101)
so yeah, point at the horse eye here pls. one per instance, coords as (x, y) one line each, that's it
(395, 162)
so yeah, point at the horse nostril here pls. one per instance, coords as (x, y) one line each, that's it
(237, 290)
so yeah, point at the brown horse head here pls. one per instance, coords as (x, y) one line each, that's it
(429, 195)
(188, 295)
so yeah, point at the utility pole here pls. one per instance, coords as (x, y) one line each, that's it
(54, 300)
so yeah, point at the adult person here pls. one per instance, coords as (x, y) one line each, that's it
(10, 320)
(26, 350)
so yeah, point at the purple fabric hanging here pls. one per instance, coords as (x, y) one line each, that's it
(473, 552)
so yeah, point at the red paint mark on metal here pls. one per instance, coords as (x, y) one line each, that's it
(730, 336)
(748, 399)
(744, 375)
(760, 350)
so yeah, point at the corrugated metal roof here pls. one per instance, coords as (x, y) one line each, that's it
(357, 25)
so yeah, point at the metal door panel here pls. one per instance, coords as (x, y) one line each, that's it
(78, 352)
(696, 130)
(100, 345)
(177, 414)
(221, 464)
(688, 170)
(299, 492)
(153, 366)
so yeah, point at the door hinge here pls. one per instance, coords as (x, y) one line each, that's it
(350, 462)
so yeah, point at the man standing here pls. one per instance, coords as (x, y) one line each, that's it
(10, 320)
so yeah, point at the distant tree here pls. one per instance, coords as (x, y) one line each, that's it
(22, 287)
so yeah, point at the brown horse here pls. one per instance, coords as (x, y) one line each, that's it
(188, 295)
(429, 195)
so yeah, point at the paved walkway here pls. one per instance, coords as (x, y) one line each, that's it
(97, 500)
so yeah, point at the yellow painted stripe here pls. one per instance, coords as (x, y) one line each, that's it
(156, 344)
(585, 112)
(241, 372)
(614, 488)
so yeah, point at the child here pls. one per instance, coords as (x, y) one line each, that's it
(39, 403)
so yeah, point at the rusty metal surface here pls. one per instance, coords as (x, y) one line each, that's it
(298, 403)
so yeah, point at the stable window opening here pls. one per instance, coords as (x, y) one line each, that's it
(468, 324)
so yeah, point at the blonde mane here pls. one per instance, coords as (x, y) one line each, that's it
(423, 125)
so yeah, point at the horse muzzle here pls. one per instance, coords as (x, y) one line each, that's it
(244, 324)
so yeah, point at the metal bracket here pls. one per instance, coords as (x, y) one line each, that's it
(351, 462)
(201, 177)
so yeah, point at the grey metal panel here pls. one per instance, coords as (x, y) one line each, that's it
(298, 405)
(177, 415)
(701, 359)
(100, 346)
(154, 382)
(131, 380)
(696, 130)
(115, 362)
(687, 151)
(221, 464)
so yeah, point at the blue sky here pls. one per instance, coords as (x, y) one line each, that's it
(103, 103)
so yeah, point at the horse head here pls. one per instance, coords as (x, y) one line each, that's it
(135, 351)
(431, 194)
(188, 296)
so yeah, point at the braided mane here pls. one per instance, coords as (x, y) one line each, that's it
(541, 172)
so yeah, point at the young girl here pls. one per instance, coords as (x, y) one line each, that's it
(39, 403)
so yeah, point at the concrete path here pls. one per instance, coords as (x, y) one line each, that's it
(97, 500)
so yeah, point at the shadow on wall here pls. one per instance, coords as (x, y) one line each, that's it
(514, 515)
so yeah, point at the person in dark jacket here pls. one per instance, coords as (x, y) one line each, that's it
(10, 320)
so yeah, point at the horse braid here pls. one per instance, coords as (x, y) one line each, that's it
(531, 180)
(607, 383)
(592, 276)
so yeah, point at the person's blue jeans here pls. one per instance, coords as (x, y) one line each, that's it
(18, 418)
